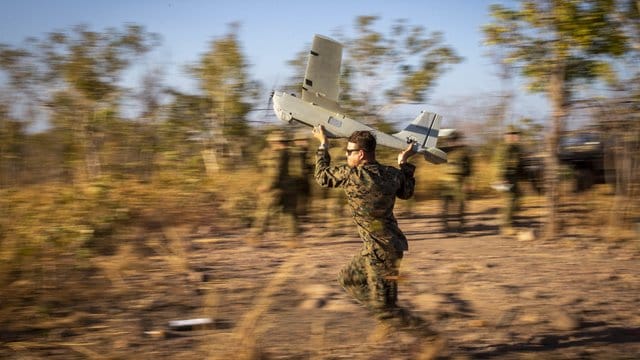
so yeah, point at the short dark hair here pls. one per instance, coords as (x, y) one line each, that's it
(365, 141)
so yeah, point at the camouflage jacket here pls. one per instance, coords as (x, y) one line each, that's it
(371, 191)
(275, 165)
(510, 163)
(458, 165)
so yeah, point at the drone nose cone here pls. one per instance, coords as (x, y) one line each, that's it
(278, 107)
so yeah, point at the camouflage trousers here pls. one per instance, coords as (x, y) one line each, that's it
(271, 211)
(453, 205)
(511, 205)
(371, 278)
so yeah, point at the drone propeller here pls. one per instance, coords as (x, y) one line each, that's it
(270, 99)
(266, 119)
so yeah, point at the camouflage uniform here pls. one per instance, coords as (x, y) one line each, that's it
(274, 203)
(454, 186)
(300, 171)
(509, 170)
(335, 205)
(371, 190)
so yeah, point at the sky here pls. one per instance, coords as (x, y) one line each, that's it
(272, 32)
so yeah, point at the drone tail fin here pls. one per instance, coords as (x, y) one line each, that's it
(322, 77)
(424, 131)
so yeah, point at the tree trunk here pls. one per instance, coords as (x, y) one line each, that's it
(558, 101)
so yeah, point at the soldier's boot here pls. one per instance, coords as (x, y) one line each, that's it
(432, 344)
(446, 220)
(507, 230)
(401, 319)
(415, 324)
(433, 348)
(460, 227)
(460, 224)
(257, 232)
(381, 332)
(386, 324)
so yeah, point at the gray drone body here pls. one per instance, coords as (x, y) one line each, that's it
(319, 106)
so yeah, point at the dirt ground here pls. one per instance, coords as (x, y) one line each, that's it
(491, 296)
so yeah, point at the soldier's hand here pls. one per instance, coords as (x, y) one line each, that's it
(318, 133)
(406, 154)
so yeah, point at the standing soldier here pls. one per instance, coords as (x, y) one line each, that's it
(455, 182)
(301, 172)
(330, 206)
(336, 202)
(510, 166)
(274, 203)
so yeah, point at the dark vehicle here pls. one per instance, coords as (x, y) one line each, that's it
(585, 153)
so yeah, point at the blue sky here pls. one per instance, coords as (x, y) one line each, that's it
(272, 32)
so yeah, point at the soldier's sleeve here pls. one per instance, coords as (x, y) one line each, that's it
(407, 181)
(327, 175)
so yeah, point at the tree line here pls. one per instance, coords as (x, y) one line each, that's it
(74, 79)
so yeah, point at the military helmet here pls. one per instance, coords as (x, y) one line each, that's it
(512, 129)
(455, 135)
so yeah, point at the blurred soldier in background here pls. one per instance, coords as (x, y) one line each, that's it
(336, 203)
(455, 183)
(301, 172)
(275, 205)
(330, 206)
(510, 167)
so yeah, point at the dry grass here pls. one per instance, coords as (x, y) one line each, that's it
(70, 255)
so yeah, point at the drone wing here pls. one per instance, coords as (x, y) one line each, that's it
(321, 80)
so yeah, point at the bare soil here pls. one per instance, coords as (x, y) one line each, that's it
(491, 296)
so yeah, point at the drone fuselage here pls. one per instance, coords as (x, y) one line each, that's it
(289, 108)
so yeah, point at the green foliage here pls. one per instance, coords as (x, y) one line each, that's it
(222, 72)
(559, 45)
(406, 52)
(578, 36)
(12, 147)
(82, 60)
(17, 63)
(76, 75)
(298, 65)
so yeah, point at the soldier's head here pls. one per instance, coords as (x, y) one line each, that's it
(455, 138)
(512, 134)
(361, 148)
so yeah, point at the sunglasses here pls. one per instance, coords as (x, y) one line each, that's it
(349, 151)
